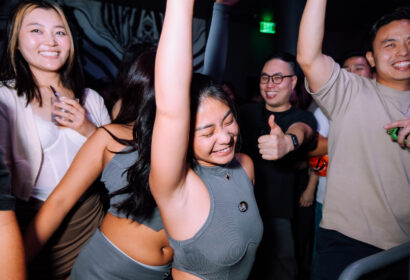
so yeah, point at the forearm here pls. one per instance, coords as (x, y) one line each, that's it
(173, 66)
(43, 226)
(217, 44)
(316, 66)
(302, 131)
(12, 264)
(313, 180)
(173, 72)
(311, 32)
(321, 148)
(83, 171)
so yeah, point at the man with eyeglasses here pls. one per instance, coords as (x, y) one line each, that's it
(276, 135)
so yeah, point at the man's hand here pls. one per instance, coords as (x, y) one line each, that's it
(404, 132)
(276, 144)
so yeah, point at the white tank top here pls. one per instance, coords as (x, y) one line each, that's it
(60, 145)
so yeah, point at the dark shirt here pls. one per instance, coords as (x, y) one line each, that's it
(274, 179)
(6, 199)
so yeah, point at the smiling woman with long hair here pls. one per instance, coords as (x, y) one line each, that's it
(46, 114)
(202, 187)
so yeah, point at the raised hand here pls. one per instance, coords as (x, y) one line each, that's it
(71, 114)
(276, 144)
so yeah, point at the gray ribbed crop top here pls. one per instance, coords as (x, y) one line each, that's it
(225, 247)
(114, 177)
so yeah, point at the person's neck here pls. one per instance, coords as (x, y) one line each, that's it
(45, 79)
(278, 109)
(397, 85)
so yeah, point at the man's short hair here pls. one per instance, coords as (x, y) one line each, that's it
(352, 53)
(397, 14)
(287, 57)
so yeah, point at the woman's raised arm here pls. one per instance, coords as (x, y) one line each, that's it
(173, 71)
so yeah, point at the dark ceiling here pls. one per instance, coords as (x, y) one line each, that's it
(340, 13)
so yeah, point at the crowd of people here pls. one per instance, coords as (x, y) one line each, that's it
(177, 181)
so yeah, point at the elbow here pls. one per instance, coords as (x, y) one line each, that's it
(304, 60)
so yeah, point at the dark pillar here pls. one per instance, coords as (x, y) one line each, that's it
(287, 16)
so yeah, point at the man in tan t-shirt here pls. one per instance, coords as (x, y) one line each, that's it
(367, 201)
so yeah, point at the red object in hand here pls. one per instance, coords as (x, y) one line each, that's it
(319, 165)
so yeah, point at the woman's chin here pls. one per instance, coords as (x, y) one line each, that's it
(217, 160)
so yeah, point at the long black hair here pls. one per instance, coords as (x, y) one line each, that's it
(138, 104)
(15, 72)
(202, 87)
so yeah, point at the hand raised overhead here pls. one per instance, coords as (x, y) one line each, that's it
(276, 144)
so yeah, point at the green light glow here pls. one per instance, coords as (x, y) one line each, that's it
(267, 16)
(267, 27)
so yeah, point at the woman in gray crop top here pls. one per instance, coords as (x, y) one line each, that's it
(202, 188)
(131, 242)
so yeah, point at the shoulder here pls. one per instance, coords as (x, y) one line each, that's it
(104, 136)
(299, 115)
(94, 103)
(247, 164)
(91, 96)
(341, 81)
(100, 135)
(9, 101)
(118, 130)
(7, 93)
(93, 100)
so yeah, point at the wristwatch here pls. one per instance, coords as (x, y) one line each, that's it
(294, 140)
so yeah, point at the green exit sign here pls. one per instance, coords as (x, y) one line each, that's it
(267, 27)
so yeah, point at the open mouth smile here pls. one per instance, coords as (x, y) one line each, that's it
(402, 65)
(52, 54)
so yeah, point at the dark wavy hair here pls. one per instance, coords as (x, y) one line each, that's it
(15, 72)
(202, 87)
(397, 14)
(138, 104)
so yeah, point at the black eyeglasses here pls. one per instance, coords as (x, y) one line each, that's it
(276, 78)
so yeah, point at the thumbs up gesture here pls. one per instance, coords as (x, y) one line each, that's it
(276, 144)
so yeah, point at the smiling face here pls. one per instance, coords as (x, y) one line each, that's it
(216, 133)
(391, 55)
(277, 96)
(358, 65)
(43, 40)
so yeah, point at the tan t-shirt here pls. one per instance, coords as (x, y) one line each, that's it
(368, 181)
